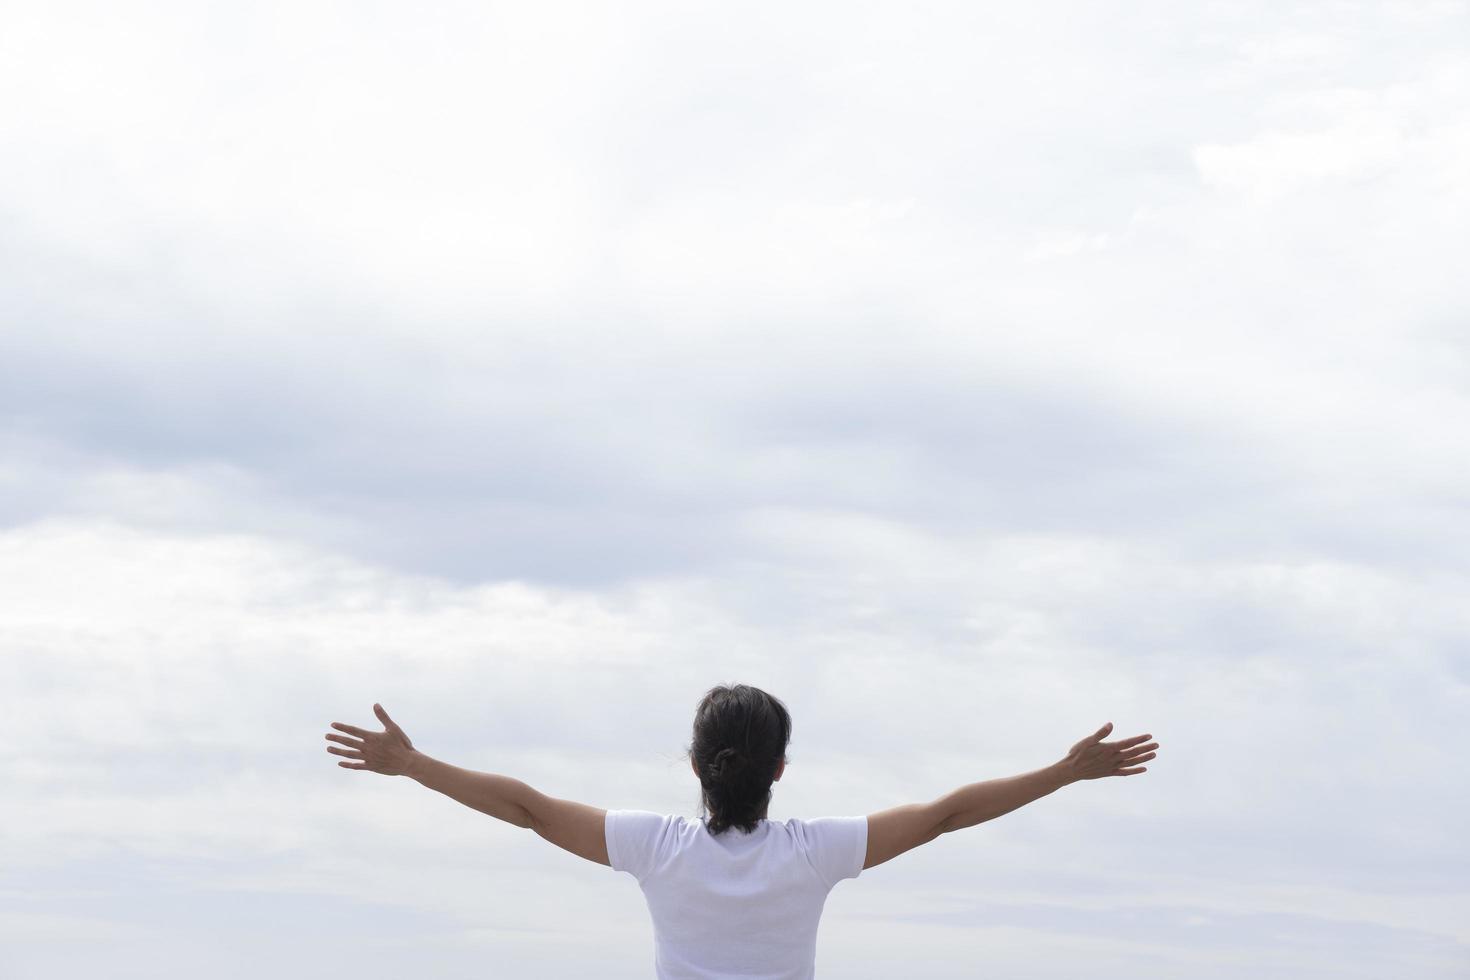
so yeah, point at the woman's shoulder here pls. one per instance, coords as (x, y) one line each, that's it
(802, 822)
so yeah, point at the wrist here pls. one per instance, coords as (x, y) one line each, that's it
(1062, 772)
(414, 767)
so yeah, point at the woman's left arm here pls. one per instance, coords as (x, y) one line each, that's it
(572, 826)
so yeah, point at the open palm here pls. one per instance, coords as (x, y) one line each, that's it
(1092, 758)
(388, 752)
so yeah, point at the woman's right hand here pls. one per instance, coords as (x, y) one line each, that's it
(1092, 758)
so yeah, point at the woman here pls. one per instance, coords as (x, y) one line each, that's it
(734, 894)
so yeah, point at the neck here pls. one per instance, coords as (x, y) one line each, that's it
(760, 816)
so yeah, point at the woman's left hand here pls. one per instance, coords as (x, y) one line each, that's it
(388, 752)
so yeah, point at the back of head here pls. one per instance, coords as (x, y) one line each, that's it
(740, 739)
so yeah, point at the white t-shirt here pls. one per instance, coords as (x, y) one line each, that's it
(737, 905)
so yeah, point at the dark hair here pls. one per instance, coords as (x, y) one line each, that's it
(740, 739)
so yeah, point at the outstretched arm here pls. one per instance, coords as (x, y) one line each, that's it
(903, 828)
(572, 826)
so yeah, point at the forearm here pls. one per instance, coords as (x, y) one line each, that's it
(987, 800)
(500, 796)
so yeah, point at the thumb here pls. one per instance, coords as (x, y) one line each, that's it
(1103, 731)
(391, 725)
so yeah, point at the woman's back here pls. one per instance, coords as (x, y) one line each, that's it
(736, 903)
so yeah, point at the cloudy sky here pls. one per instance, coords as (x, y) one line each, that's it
(965, 375)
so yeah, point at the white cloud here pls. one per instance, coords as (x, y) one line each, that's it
(175, 690)
(960, 375)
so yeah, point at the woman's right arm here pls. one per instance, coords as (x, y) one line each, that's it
(892, 832)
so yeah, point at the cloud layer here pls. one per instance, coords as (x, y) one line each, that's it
(967, 377)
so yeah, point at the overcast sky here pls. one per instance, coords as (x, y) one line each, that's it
(965, 375)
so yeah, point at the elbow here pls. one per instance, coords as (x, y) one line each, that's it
(531, 811)
(961, 821)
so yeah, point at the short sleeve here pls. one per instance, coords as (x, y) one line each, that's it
(636, 839)
(835, 846)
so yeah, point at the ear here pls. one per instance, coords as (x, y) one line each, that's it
(694, 766)
(780, 769)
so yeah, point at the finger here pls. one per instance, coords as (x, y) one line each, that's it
(1103, 731)
(387, 722)
(347, 752)
(1127, 742)
(1134, 760)
(1137, 750)
(352, 730)
(352, 742)
(353, 765)
(1130, 772)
